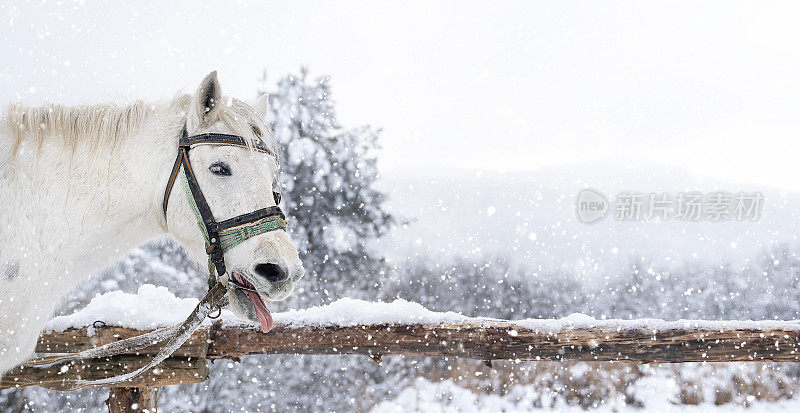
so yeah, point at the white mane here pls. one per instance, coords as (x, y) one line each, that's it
(103, 126)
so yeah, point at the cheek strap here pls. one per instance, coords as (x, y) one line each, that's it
(234, 231)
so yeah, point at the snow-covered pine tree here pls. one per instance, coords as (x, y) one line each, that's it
(328, 181)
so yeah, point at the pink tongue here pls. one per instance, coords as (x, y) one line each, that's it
(264, 317)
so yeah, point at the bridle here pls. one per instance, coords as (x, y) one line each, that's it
(221, 236)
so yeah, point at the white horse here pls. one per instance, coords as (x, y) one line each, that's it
(80, 186)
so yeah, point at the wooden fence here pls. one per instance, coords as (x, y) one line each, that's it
(487, 340)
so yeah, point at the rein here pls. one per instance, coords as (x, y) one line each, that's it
(220, 237)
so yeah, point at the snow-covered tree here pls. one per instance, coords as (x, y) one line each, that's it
(328, 176)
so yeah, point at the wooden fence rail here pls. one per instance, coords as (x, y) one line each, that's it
(674, 342)
(481, 339)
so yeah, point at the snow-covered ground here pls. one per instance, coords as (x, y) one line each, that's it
(649, 393)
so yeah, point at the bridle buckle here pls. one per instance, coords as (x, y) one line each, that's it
(214, 252)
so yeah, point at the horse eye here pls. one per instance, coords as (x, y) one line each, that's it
(220, 169)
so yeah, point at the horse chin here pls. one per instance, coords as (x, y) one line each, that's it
(248, 305)
(241, 305)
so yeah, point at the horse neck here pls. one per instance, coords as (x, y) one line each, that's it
(73, 213)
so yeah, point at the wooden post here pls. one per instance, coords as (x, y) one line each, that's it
(132, 399)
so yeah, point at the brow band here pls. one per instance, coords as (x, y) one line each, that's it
(222, 139)
(255, 148)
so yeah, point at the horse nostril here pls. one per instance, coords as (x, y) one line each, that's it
(272, 272)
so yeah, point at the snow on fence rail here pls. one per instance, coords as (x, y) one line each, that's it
(375, 330)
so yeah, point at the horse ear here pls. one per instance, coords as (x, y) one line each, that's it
(261, 106)
(207, 98)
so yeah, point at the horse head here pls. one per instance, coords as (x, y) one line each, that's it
(235, 180)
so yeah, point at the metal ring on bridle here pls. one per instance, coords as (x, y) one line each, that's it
(219, 313)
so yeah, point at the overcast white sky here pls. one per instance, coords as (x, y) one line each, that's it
(713, 87)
